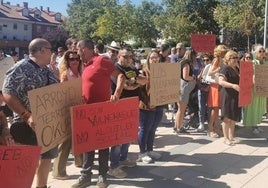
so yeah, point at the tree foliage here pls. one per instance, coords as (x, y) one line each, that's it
(175, 20)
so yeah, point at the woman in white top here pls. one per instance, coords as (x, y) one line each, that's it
(70, 69)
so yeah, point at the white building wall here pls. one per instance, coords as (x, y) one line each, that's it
(20, 34)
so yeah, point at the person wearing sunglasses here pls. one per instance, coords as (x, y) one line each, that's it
(119, 153)
(247, 57)
(70, 69)
(229, 82)
(214, 94)
(252, 114)
(203, 88)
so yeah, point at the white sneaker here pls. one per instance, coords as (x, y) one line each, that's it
(201, 128)
(154, 155)
(256, 131)
(144, 158)
(260, 129)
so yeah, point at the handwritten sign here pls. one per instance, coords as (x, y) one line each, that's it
(18, 165)
(101, 125)
(203, 42)
(245, 83)
(50, 107)
(261, 81)
(164, 83)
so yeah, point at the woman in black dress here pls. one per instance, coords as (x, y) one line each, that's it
(229, 82)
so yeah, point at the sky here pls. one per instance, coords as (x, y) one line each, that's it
(58, 5)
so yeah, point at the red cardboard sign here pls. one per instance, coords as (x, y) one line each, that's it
(18, 165)
(245, 83)
(203, 42)
(101, 125)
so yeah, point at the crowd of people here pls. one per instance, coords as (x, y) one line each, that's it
(213, 77)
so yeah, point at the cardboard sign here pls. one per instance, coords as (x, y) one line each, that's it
(101, 125)
(18, 165)
(245, 83)
(164, 83)
(50, 108)
(203, 42)
(261, 80)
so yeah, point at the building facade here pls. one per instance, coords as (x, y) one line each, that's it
(20, 24)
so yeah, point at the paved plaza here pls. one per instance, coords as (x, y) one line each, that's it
(193, 160)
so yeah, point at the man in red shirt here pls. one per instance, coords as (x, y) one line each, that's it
(96, 86)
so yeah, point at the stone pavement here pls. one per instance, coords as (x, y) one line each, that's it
(193, 160)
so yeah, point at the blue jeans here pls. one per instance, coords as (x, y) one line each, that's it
(202, 105)
(149, 121)
(118, 153)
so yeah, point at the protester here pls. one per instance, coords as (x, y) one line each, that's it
(53, 64)
(21, 78)
(252, 114)
(188, 83)
(71, 68)
(150, 116)
(96, 87)
(229, 82)
(203, 88)
(113, 49)
(164, 52)
(119, 153)
(15, 56)
(5, 136)
(6, 62)
(180, 53)
(214, 94)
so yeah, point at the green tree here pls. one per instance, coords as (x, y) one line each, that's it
(83, 15)
(184, 17)
(241, 19)
(143, 29)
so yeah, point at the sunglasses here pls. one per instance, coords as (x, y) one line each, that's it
(74, 59)
(247, 57)
(261, 51)
(205, 60)
(127, 56)
(233, 57)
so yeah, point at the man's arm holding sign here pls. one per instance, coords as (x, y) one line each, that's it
(119, 85)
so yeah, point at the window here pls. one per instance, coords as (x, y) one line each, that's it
(25, 12)
(1, 28)
(4, 25)
(37, 14)
(25, 27)
(38, 29)
(14, 38)
(15, 26)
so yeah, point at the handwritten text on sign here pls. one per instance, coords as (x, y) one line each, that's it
(50, 107)
(261, 80)
(164, 83)
(101, 125)
(18, 165)
(245, 83)
(203, 42)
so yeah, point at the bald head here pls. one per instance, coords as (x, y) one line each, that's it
(36, 44)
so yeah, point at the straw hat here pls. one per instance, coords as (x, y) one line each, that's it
(114, 46)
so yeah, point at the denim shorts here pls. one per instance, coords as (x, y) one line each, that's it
(186, 88)
(50, 154)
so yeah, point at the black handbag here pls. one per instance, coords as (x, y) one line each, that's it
(22, 133)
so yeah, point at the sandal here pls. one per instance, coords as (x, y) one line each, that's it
(228, 143)
(213, 135)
